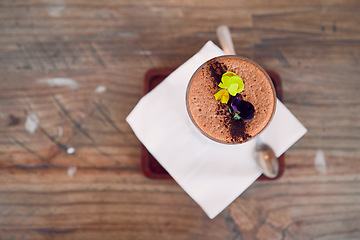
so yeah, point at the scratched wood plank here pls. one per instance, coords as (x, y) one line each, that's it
(313, 45)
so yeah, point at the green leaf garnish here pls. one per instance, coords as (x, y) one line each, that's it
(237, 116)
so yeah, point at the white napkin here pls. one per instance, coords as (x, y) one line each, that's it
(213, 174)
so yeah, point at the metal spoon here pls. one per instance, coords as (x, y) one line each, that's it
(224, 36)
(264, 155)
(266, 159)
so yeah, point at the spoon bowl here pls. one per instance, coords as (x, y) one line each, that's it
(266, 159)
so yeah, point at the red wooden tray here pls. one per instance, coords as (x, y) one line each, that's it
(150, 166)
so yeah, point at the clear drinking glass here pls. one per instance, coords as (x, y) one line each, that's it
(273, 95)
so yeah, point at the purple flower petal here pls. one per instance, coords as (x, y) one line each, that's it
(235, 104)
(245, 109)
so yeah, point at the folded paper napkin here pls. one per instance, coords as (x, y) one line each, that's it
(213, 174)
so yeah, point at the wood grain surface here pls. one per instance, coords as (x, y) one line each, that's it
(313, 45)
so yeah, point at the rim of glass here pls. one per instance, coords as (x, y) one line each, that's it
(192, 79)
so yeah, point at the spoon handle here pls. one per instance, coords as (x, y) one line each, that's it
(224, 36)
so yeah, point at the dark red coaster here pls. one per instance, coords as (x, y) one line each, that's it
(150, 166)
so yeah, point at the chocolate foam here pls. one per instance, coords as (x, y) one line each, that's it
(213, 117)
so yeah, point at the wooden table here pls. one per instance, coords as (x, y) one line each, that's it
(101, 50)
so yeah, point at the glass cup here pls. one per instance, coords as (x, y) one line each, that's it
(249, 63)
